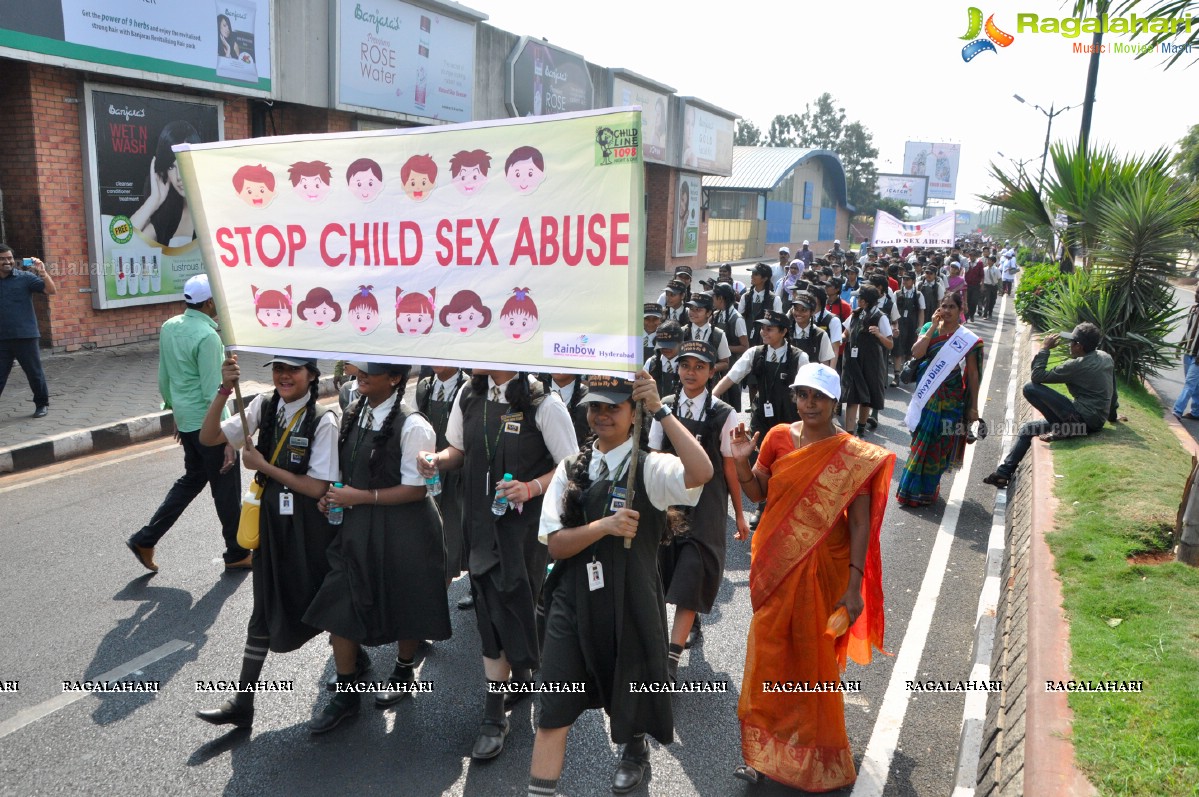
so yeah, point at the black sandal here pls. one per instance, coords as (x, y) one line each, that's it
(997, 480)
(746, 773)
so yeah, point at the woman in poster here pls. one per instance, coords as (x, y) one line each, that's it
(684, 216)
(163, 217)
(226, 47)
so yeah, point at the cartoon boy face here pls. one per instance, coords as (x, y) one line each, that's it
(519, 326)
(465, 322)
(418, 186)
(469, 179)
(320, 316)
(415, 323)
(273, 318)
(256, 195)
(365, 185)
(364, 320)
(524, 176)
(312, 188)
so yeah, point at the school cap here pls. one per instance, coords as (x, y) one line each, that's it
(607, 390)
(374, 369)
(674, 286)
(764, 270)
(820, 377)
(930, 269)
(909, 275)
(701, 301)
(668, 338)
(699, 349)
(853, 269)
(682, 271)
(773, 319)
(654, 309)
(707, 284)
(295, 362)
(804, 298)
(197, 290)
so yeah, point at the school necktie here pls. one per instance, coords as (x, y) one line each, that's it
(368, 419)
(440, 394)
(603, 470)
(495, 394)
(687, 410)
(701, 335)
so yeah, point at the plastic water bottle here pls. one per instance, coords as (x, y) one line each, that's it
(500, 505)
(432, 483)
(336, 513)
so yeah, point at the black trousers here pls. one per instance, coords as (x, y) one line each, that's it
(974, 295)
(990, 295)
(201, 466)
(1060, 418)
(25, 352)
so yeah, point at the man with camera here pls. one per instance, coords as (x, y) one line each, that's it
(19, 335)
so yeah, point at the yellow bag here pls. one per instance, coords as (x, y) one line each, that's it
(251, 502)
(251, 508)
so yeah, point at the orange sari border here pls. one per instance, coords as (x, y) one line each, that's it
(818, 482)
(812, 769)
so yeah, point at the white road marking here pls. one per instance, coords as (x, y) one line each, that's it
(884, 738)
(76, 471)
(121, 671)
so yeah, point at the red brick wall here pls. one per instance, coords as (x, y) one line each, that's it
(662, 187)
(41, 174)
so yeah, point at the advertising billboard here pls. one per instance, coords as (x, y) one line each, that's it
(654, 115)
(141, 234)
(686, 219)
(225, 42)
(911, 189)
(405, 59)
(938, 162)
(544, 79)
(707, 141)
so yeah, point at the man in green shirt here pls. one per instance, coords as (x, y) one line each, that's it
(1088, 377)
(189, 377)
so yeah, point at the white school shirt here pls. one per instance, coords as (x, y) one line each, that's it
(657, 434)
(322, 461)
(722, 351)
(417, 435)
(742, 367)
(564, 393)
(552, 419)
(663, 474)
(826, 346)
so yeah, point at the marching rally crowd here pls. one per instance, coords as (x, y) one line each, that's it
(577, 523)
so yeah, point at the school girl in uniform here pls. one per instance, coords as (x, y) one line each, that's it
(386, 580)
(295, 459)
(692, 565)
(435, 396)
(504, 423)
(605, 616)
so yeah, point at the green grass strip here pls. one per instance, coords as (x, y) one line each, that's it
(1119, 495)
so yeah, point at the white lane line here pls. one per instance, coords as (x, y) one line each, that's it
(884, 738)
(121, 671)
(974, 712)
(76, 471)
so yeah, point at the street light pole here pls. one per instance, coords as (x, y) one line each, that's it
(1048, 128)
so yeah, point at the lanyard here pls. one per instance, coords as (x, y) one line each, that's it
(362, 432)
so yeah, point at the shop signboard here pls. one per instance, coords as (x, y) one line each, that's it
(686, 218)
(707, 141)
(936, 160)
(543, 79)
(654, 115)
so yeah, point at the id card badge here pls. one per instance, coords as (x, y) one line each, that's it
(286, 503)
(595, 576)
(768, 409)
(905, 313)
(854, 352)
(617, 499)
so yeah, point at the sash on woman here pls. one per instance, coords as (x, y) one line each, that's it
(799, 570)
(950, 354)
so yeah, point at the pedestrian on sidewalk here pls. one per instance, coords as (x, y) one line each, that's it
(991, 279)
(19, 335)
(1088, 377)
(1190, 366)
(189, 374)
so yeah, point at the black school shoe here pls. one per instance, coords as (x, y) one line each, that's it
(631, 768)
(342, 706)
(237, 711)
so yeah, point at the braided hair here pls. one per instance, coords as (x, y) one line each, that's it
(350, 420)
(268, 416)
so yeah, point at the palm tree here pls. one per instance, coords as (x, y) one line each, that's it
(1163, 9)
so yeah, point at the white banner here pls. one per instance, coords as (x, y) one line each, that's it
(890, 231)
(911, 189)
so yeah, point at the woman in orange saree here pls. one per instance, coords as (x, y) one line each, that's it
(816, 550)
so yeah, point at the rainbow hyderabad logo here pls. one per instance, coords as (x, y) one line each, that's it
(994, 35)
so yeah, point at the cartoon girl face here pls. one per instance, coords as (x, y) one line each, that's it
(469, 179)
(415, 323)
(365, 185)
(313, 188)
(320, 316)
(363, 319)
(465, 322)
(524, 176)
(519, 325)
(274, 318)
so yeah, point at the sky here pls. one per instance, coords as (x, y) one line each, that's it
(895, 66)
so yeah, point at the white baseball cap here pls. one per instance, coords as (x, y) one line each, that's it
(784, 250)
(836, 240)
(805, 243)
(820, 377)
(197, 290)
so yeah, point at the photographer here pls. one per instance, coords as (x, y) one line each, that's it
(19, 335)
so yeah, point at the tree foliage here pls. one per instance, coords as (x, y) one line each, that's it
(1186, 160)
(747, 135)
(822, 127)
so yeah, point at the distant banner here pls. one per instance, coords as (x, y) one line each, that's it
(890, 231)
(514, 244)
(936, 160)
(911, 189)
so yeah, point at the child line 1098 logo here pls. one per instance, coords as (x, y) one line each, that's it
(617, 145)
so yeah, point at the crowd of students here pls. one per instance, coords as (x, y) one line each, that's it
(522, 481)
